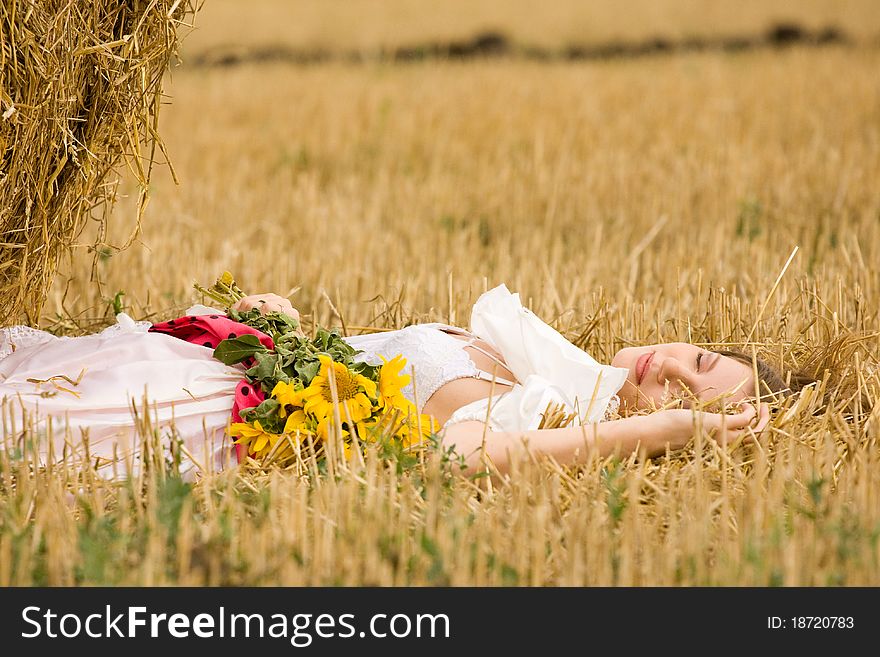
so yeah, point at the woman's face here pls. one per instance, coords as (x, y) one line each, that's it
(684, 370)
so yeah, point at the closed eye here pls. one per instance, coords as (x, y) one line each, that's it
(699, 358)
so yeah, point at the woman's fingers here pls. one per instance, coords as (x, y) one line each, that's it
(726, 427)
(241, 305)
(267, 303)
(746, 424)
(761, 420)
(742, 419)
(251, 301)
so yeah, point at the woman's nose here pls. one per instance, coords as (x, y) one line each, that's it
(670, 370)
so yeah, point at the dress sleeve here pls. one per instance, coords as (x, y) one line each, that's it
(532, 347)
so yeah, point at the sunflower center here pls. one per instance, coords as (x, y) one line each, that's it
(346, 387)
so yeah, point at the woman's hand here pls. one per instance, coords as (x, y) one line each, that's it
(675, 427)
(267, 303)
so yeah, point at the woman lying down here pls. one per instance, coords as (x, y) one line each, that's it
(487, 387)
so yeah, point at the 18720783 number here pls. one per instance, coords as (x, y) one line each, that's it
(821, 622)
(812, 622)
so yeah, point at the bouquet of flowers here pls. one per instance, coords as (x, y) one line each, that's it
(315, 388)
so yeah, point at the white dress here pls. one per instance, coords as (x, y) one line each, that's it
(107, 375)
(89, 387)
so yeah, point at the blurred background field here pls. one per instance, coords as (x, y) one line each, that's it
(370, 25)
(630, 200)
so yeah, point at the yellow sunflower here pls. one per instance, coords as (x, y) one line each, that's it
(348, 449)
(286, 395)
(352, 390)
(257, 441)
(412, 427)
(325, 425)
(348, 443)
(298, 421)
(391, 381)
(402, 422)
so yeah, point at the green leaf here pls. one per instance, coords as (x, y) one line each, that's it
(117, 303)
(278, 326)
(267, 415)
(307, 370)
(235, 350)
(365, 369)
(267, 369)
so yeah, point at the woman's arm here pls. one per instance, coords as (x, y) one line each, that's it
(651, 434)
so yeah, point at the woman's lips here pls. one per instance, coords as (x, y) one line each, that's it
(642, 365)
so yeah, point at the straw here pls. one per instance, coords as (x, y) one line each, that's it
(80, 91)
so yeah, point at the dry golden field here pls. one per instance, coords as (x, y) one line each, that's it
(629, 201)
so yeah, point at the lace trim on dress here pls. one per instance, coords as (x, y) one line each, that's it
(19, 337)
(16, 337)
(612, 408)
(433, 358)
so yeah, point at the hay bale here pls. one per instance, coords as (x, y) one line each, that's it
(80, 89)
